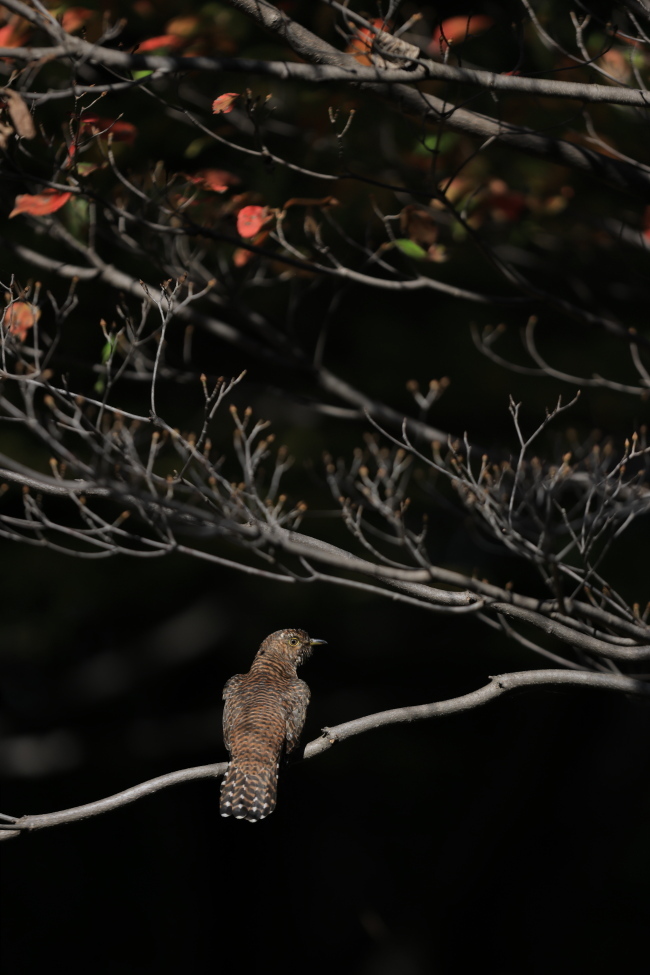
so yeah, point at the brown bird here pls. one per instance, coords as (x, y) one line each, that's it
(262, 718)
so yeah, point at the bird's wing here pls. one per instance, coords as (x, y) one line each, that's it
(229, 688)
(295, 704)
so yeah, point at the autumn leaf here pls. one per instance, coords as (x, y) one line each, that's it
(184, 27)
(360, 47)
(616, 64)
(224, 103)
(86, 168)
(103, 127)
(455, 30)
(19, 113)
(156, 43)
(242, 256)
(15, 32)
(504, 204)
(49, 201)
(19, 318)
(215, 180)
(418, 225)
(251, 219)
(76, 17)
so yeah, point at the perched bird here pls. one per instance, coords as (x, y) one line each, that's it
(263, 716)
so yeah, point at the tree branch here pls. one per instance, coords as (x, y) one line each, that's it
(623, 176)
(349, 73)
(498, 686)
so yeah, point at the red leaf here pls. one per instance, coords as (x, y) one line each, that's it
(155, 43)
(49, 201)
(250, 220)
(215, 180)
(120, 131)
(224, 103)
(455, 30)
(19, 318)
(505, 205)
(15, 32)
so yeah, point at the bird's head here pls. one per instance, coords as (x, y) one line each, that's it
(296, 645)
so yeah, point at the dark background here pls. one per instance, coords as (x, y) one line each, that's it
(512, 839)
(500, 839)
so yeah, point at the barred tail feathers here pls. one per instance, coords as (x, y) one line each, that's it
(249, 794)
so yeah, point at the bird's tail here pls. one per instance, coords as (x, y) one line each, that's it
(249, 793)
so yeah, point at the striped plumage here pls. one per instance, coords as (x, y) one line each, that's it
(263, 716)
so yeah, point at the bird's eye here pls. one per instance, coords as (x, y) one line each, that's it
(294, 641)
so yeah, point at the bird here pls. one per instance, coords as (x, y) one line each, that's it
(263, 716)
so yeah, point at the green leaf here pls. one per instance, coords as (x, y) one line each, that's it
(197, 146)
(411, 249)
(107, 351)
(77, 217)
(436, 143)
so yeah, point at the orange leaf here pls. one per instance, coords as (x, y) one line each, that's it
(120, 131)
(155, 43)
(183, 27)
(251, 219)
(49, 201)
(360, 46)
(19, 318)
(455, 30)
(224, 103)
(76, 17)
(242, 256)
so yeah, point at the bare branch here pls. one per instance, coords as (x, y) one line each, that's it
(419, 69)
(503, 684)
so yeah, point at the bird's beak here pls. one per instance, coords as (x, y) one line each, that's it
(313, 643)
